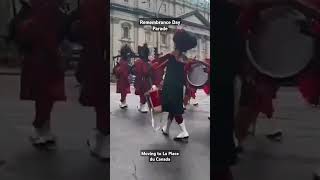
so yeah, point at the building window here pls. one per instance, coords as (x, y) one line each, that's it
(126, 30)
(163, 39)
(181, 10)
(164, 6)
(126, 1)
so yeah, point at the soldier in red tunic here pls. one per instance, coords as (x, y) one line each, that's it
(122, 70)
(143, 80)
(42, 76)
(206, 87)
(158, 70)
(189, 90)
(93, 72)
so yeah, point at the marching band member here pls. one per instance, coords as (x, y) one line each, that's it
(93, 72)
(190, 92)
(258, 90)
(172, 90)
(206, 87)
(143, 81)
(42, 76)
(158, 70)
(122, 70)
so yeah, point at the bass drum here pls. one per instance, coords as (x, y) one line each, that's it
(277, 47)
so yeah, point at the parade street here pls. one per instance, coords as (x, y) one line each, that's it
(71, 123)
(297, 156)
(132, 131)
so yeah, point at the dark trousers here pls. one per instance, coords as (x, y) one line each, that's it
(178, 118)
(43, 110)
(102, 120)
(123, 97)
(143, 99)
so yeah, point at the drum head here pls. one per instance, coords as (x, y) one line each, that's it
(277, 48)
(197, 77)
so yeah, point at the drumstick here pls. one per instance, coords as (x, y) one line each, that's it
(162, 64)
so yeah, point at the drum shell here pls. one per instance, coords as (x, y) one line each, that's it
(196, 74)
(155, 100)
(289, 52)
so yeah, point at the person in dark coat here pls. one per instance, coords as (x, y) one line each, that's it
(143, 80)
(93, 72)
(122, 71)
(174, 81)
(42, 76)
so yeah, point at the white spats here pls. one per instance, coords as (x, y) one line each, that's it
(123, 105)
(166, 127)
(143, 108)
(184, 133)
(42, 136)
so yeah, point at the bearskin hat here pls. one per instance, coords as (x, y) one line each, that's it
(143, 51)
(184, 41)
(125, 51)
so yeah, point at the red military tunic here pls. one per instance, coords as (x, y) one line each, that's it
(122, 73)
(309, 81)
(260, 94)
(190, 90)
(206, 87)
(93, 25)
(157, 72)
(42, 75)
(143, 77)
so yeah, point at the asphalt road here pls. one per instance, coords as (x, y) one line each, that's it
(297, 156)
(132, 131)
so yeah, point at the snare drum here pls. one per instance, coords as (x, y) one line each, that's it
(197, 75)
(277, 48)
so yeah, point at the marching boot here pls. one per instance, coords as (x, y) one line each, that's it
(99, 145)
(42, 136)
(123, 105)
(194, 102)
(143, 108)
(183, 135)
(166, 127)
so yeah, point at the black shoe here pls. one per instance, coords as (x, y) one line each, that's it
(275, 136)
(185, 139)
(164, 133)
